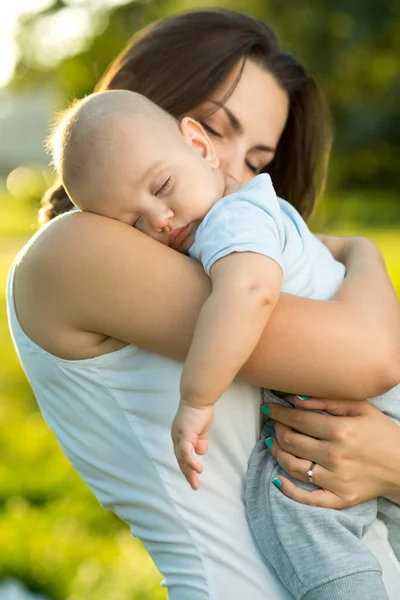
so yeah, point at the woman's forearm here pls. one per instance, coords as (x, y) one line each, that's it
(368, 277)
(349, 347)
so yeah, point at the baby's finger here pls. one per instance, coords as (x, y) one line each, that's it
(191, 476)
(193, 480)
(189, 458)
(186, 457)
(188, 464)
(201, 446)
(191, 471)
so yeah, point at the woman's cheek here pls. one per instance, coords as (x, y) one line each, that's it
(219, 149)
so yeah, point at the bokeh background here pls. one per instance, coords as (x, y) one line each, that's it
(55, 539)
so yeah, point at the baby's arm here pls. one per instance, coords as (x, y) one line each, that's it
(246, 288)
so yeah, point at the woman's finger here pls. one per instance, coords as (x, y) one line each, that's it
(293, 466)
(298, 467)
(302, 446)
(320, 498)
(310, 423)
(341, 408)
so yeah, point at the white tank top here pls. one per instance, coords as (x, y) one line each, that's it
(112, 417)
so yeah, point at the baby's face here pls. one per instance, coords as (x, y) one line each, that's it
(161, 180)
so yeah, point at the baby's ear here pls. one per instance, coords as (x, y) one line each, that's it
(194, 135)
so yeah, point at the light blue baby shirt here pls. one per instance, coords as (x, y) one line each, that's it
(256, 220)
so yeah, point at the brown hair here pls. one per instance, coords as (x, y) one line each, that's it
(180, 61)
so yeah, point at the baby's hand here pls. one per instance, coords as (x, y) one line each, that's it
(190, 433)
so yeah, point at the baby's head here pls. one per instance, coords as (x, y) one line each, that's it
(120, 155)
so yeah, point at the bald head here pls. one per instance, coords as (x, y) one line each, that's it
(88, 137)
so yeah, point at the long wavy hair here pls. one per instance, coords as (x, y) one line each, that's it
(179, 61)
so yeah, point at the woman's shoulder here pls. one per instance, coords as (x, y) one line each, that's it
(73, 227)
(85, 278)
(63, 242)
(52, 287)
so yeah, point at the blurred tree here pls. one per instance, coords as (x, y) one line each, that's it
(352, 48)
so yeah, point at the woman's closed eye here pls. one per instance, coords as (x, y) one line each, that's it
(255, 170)
(210, 129)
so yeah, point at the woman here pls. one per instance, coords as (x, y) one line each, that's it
(105, 315)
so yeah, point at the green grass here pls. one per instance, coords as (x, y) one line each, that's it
(53, 533)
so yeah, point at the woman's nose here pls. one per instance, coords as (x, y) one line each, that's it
(233, 166)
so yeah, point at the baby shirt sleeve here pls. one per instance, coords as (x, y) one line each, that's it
(247, 221)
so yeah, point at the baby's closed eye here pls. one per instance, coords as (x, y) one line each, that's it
(136, 220)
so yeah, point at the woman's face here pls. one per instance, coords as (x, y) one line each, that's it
(246, 129)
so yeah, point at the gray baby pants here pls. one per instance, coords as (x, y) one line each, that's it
(318, 553)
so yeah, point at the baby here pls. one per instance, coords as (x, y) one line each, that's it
(121, 156)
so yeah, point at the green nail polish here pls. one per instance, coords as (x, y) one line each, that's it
(303, 397)
(269, 442)
(266, 410)
(277, 482)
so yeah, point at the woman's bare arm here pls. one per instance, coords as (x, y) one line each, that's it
(352, 342)
(108, 278)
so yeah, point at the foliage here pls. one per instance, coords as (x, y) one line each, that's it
(352, 48)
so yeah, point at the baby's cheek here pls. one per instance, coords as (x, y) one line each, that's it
(159, 237)
(147, 229)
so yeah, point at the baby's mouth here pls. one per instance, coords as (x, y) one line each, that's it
(177, 236)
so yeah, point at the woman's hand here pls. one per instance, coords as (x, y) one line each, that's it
(336, 244)
(357, 452)
(340, 246)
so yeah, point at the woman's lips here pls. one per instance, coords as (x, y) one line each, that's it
(177, 236)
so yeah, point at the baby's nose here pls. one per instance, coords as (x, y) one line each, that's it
(161, 221)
